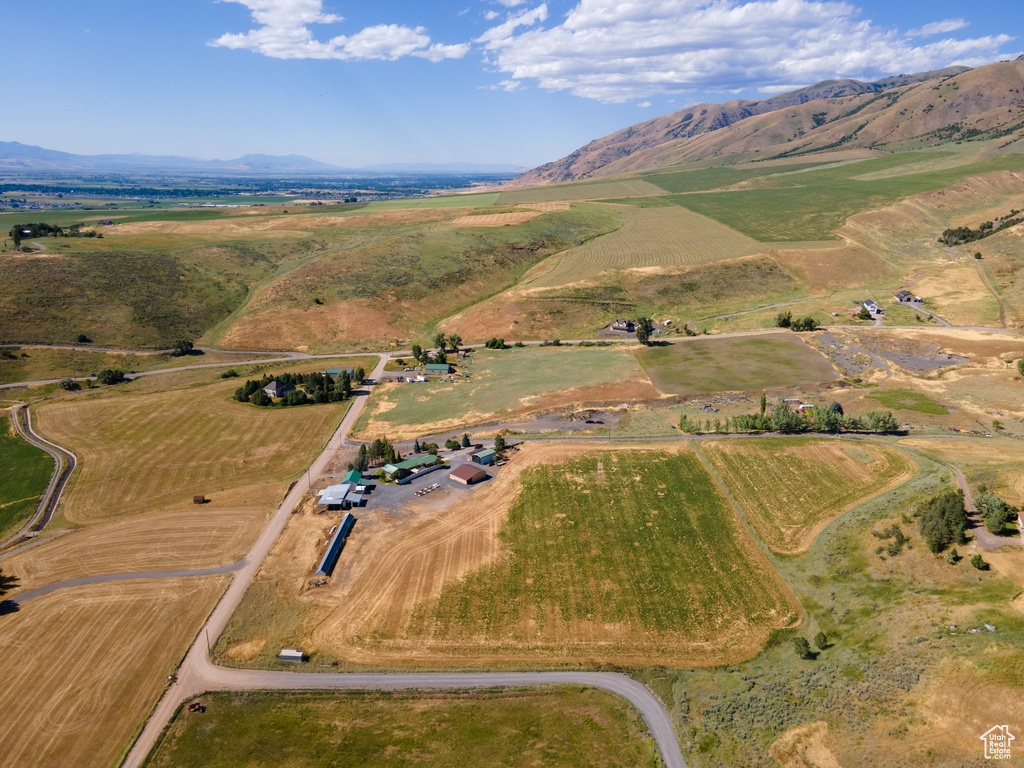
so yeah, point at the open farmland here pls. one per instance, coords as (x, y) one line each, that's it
(586, 191)
(812, 204)
(766, 361)
(182, 537)
(506, 382)
(81, 668)
(567, 727)
(650, 238)
(621, 556)
(24, 474)
(792, 488)
(148, 451)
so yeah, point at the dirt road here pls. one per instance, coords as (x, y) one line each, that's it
(985, 540)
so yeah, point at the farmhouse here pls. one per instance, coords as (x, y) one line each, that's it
(870, 306)
(621, 324)
(438, 368)
(467, 474)
(278, 388)
(483, 457)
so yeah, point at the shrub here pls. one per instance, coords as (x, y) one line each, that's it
(784, 319)
(979, 562)
(821, 641)
(802, 648)
(230, 373)
(69, 384)
(181, 347)
(863, 314)
(110, 376)
(83, 339)
(452, 445)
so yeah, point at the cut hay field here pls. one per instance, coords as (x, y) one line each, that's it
(596, 555)
(149, 451)
(448, 201)
(182, 537)
(791, 489)
(744, 364)
(650, 238)
(564, 727)
(585, 191)
(24, 474)
(505, 382)
(82, 668)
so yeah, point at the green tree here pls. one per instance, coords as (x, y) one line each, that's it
(764, 403)
(358, 376)
(644, 327)
(1020, 367)
(499, 445)
(863, 314)
(802, 648)
(979, 562)
(7, 583)
(454, 340)
(465, 440)
(416, 446)
(362, 462)
(994, 512)
(821, 641)
(452, 445)
(83, 339)
(417, 351)
(439, 341)
(260, 398)
(16, 236)
(69, 384)
(942, 520)
(110, 376)
(181, 347)
(784, 319)
(836, 408)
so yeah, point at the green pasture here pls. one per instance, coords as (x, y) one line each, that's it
(501, 381)
(811, 205)
(24, 474)
(907, 400)
(639, 539)
(568, 727)
(589, 190)
(703, 365)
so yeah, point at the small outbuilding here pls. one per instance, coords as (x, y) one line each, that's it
(483, 457)
(438, 368)
(353, 476)
(622, 324)
(335, 497)
(198, 499)
(292, 655)
(467, 474)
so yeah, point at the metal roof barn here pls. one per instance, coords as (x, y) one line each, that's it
(334, 548)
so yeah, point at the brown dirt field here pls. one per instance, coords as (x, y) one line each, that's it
(397, 567)
(496, 219)
(144, 452)
(804, 747)
(82, 668)
(957, 294)
(983, 349)
(353, 321)
(784, 523)
(849, 266)
(185, 536)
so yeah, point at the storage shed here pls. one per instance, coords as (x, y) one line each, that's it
(438, 368)
(467, 474)
(335, 547)
(483, 457)
(292, 655)
(334, 496)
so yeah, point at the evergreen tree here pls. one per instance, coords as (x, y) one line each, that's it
(465, 440)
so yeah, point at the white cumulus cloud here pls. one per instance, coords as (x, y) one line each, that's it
(284, 33)
(938, 28)
(616, 51)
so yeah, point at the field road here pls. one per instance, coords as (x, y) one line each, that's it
(198, 674)
(984, 539)
(65, 463)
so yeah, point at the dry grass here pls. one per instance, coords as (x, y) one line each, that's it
(792, 489)
(804, 747)
(663, 238)
(184, 536)
(150, 451)
(587, 191)
(957, 294)
(496, 219)
(396, 569)
(849, 266)
(81, 668)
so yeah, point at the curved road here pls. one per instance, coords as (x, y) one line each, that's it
(65, 464)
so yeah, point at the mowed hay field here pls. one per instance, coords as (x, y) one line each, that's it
(149, 451)
(565, 727)
(604, 556)
(184, 536)
(589, 191)
(764, 361)
(792, 488)
(650, 238)
(24, 474)
(506, 382)
(81, 668)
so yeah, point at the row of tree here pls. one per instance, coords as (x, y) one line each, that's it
(443, 343)
(782, 419)
(377, 454)
(784, 319)
(942, 520)
(961, 235)
(41, 229)
(319, 388)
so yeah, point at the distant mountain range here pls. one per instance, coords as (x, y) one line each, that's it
(15, 157)
(897, 113)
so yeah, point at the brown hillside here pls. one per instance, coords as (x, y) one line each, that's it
(899, 113)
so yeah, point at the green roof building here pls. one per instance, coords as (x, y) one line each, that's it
(438, 368)
(353, 476)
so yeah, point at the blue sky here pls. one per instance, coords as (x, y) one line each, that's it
(489, 81)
